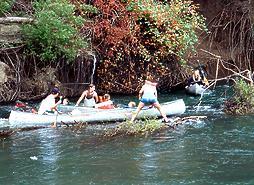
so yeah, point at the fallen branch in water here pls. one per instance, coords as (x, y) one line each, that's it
(148, 127)
(6, 133)
(179, 121)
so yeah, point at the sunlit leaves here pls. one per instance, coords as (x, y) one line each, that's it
(5, 6)
(140, 36)
(170, 26)
(242, 101)
(55, 31)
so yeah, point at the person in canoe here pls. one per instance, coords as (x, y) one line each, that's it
(66, 101)
(131, 104)
(106, 103)
(197, 78)
(49, 105)
(148, 96)
(90, 97)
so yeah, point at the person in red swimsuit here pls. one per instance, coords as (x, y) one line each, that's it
(106, 104)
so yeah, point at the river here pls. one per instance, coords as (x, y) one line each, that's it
(218, 150)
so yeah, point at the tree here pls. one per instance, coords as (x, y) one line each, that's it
(135, 37)
(55, 31)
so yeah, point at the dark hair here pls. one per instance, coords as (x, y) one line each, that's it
(90, 86)
(106, 96)
(55, 90)
(202, 71)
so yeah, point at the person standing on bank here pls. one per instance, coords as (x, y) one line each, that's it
(148, 96)
(90, 97)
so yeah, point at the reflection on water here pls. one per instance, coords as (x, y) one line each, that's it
(218, 150)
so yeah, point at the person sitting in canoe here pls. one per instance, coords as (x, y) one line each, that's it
(49, 105)
(131, 104)
(106, 103)
(203, 75)
(90, 97)
(148, 96)
(66, 101)
(197, 78)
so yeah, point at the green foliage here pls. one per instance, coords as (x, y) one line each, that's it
(144, 127)
(89, 8)
(168, 29)
(5, 6)
(243, 101)
(142, 36)
(244, 93)
(55, 31)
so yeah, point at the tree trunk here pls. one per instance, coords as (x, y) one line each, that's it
(251, 9)
(4, 20)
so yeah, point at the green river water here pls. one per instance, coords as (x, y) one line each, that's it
(218, 150)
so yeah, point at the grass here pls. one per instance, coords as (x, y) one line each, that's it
(137, 128)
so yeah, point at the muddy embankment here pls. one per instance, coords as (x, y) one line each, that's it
(226, 46)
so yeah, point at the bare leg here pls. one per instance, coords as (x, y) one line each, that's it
(158, 106)
(140, 106)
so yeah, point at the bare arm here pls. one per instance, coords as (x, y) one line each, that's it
(205, 81)
(60, 100)
(83, 95)
(55, 106)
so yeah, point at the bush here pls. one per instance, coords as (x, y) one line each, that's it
(55, 31)
(138, 128)
(168, 28)
(242, 101)
(5, 6)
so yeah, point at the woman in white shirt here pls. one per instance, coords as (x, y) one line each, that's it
(49, 104)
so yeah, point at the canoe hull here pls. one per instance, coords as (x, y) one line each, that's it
(19, 119)
(195, 89)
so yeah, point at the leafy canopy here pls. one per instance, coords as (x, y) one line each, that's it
(138, 36)
(150, 30)
(5, 6)
(242, 101)
(55, 31)
(167, 28)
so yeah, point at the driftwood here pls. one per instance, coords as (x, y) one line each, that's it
(6, 20)
(245, 74)
(178, 121)
(6, 133)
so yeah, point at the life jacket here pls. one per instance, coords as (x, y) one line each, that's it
(20, 104)
(107, 107)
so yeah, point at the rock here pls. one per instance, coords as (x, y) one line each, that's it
(5, 72)
(10, 33)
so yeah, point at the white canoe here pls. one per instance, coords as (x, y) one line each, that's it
(18, 119)
(195, 89)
